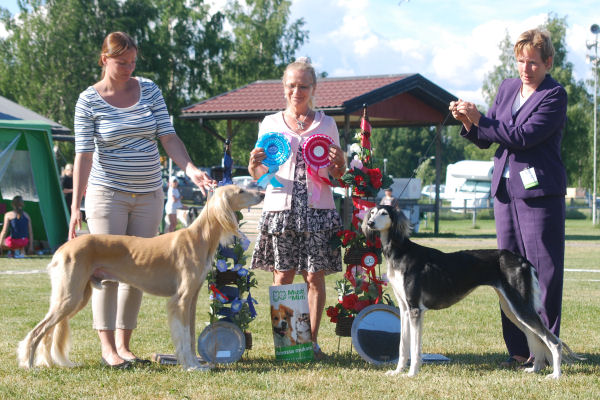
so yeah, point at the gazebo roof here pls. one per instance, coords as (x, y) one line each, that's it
(392, 100)
(13, 111)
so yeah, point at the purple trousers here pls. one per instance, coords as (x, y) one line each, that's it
(534, 228)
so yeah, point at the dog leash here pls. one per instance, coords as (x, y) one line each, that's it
(424, 158)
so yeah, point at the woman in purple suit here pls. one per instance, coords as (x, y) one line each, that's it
(526, 120)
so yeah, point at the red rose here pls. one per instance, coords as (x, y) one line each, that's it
(332, 311)
(359, 180)
(348, 236)
(375, 177)
(361, 304)
(349, 301)
(334, 320)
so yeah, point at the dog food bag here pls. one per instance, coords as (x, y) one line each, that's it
(290, 322)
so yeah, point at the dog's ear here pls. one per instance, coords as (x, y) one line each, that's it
(364, 226)
(288, 311)
(400, 224)
(221, 213)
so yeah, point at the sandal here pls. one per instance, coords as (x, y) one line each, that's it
(318, 354)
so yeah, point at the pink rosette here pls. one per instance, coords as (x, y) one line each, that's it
(315, 151)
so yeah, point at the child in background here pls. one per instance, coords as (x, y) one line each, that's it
(17, 233)
(173, 203)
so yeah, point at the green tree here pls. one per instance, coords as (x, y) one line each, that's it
(263, 42)
(51, 53)
(577, 136)
(264, 39)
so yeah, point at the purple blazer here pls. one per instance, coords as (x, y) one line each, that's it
(531, 138)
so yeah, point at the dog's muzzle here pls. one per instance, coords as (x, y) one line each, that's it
(280, 331)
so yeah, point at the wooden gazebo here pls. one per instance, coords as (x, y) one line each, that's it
(392, 101)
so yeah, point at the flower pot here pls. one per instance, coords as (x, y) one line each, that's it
(343, 326)
(226, 278)
(248, 336)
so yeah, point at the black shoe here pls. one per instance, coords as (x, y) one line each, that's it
(512, 363)
(124, 365)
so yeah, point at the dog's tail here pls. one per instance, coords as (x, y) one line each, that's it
(50, 339)
(569, 356)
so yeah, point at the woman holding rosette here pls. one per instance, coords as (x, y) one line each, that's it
(299, 215)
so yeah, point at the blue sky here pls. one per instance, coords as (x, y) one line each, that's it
(451, 43)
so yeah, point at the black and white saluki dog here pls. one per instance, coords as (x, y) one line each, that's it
(424, 278)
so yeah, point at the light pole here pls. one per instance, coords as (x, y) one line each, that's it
(385, 166)
(594, 61)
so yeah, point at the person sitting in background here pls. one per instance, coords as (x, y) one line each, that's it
(173, 203)
(17, 233)
(389, 199)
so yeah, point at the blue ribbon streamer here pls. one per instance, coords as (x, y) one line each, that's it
(269, 177)
(251, 302)
(227, 164)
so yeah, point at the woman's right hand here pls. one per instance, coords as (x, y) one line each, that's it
(74, 224)
(255, 165)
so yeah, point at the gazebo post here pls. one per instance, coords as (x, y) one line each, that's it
(438, 173)
(347, 203)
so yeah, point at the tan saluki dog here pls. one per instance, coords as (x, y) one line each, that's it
(173, 265)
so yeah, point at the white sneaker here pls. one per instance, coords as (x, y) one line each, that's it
(18, 254)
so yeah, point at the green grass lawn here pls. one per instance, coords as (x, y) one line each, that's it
(468, 333)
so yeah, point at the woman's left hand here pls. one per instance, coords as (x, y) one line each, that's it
(337, 163)
(469, 110)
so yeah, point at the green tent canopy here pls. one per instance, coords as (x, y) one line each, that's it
(28, 168)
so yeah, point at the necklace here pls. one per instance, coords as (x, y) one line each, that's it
(301, 124)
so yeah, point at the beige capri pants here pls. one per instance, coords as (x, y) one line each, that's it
(116, 305)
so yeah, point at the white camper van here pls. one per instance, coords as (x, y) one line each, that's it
(468, 184)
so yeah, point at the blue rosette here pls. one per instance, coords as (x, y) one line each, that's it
(277, 149)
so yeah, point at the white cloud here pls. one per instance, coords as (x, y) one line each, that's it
(452, 44)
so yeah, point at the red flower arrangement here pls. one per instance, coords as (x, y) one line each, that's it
(358, 289)
(364, 181)
(360, 286)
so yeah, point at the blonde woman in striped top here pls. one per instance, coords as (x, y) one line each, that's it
(118, 121)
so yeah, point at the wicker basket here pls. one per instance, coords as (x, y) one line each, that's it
(354, 255)
(343, 326)
(226, 278)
